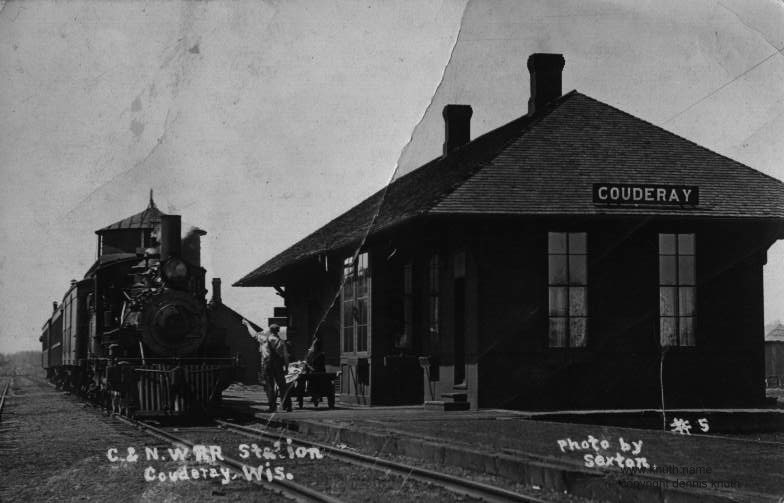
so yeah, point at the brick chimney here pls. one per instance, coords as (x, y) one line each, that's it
(546, 70)
(216, 291)
(457, 125)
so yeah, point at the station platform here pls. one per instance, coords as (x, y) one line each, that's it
(599, 461)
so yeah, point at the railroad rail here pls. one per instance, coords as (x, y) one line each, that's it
(454, 484)
(284, 487)
(290, 489)
(2, 397)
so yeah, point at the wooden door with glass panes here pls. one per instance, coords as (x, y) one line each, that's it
(355, 323)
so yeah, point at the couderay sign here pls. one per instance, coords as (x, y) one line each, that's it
(624, 194)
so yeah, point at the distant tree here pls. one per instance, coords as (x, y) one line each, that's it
(25, 361)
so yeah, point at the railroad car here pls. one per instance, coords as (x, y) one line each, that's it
(135, 334)
(51, 340)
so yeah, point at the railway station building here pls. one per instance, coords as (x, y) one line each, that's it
(577, 257)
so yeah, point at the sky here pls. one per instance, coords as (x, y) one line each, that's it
(261, 121)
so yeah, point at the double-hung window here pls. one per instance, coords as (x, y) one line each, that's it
(677, 289)
(355, 298)
(567, 289)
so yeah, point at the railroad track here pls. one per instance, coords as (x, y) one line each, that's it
(454, 484)
(2, 397)
(286, 488)
(299, 492)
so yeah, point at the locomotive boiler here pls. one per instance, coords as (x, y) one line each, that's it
(135, 333)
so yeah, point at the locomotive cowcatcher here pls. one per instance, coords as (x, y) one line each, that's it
(135, 333)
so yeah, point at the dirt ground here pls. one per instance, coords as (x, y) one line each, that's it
(54, 447)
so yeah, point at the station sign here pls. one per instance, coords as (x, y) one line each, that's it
(629, 194)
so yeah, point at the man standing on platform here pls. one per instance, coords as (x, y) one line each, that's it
(279, 364)
(274, 363)
(268, 384)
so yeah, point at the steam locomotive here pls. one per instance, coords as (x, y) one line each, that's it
(135, 334)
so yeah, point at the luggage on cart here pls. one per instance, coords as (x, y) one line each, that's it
(308, 383)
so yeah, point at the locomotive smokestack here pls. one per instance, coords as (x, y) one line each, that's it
(191, 246)
(216, 291)
(171, 243)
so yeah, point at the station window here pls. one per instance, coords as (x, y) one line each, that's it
(677, 289)
(355, 299)
(567, 289)
(434, 292)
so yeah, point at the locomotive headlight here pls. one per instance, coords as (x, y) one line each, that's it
(175, 270)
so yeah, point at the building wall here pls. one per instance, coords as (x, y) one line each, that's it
(396, 374)
(620, 367)
(505, 314)
(449, 241)
(397, 370)
(313, 311)
(733, 333)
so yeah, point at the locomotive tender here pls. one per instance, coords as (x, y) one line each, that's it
(135, 332)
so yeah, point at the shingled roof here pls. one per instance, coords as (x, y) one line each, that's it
(547, 165)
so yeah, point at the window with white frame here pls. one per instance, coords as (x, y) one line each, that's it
(567, 289)
(355, 299)
(677, 289)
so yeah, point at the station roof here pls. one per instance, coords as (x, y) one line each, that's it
(547, 165)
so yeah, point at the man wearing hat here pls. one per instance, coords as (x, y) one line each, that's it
(274, 364)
